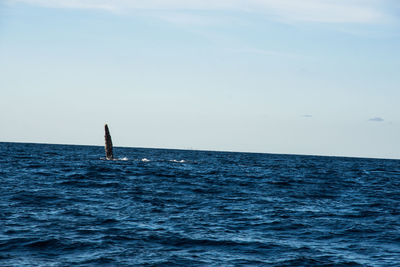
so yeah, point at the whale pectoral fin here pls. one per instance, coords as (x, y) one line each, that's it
(108, 143)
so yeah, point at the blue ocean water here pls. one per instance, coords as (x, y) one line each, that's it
(64, 205)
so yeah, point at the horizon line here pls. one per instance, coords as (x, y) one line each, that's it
(206, 150)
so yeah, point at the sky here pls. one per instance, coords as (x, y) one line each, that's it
(315, 77)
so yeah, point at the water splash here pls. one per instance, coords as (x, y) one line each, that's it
(178, 161)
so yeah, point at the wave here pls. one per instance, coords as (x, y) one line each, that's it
(178, 161)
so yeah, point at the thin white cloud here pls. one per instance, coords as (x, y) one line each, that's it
(265, 52)
(377, 119)
(327, 11)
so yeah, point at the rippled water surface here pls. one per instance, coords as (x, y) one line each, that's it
(65, 205)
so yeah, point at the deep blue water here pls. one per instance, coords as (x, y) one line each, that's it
(63, 205)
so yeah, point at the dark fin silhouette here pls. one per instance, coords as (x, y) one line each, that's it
(108, 147)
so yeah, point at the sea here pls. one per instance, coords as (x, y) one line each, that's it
(65, 205)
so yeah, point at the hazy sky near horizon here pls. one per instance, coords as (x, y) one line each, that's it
(276, 76)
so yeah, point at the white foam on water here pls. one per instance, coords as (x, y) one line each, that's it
(115, 159)
(178, 161)
(145, 160)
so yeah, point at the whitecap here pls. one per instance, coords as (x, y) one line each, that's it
(178, 161)
(145, 160)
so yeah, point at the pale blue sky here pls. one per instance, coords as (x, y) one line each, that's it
(304, 77)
